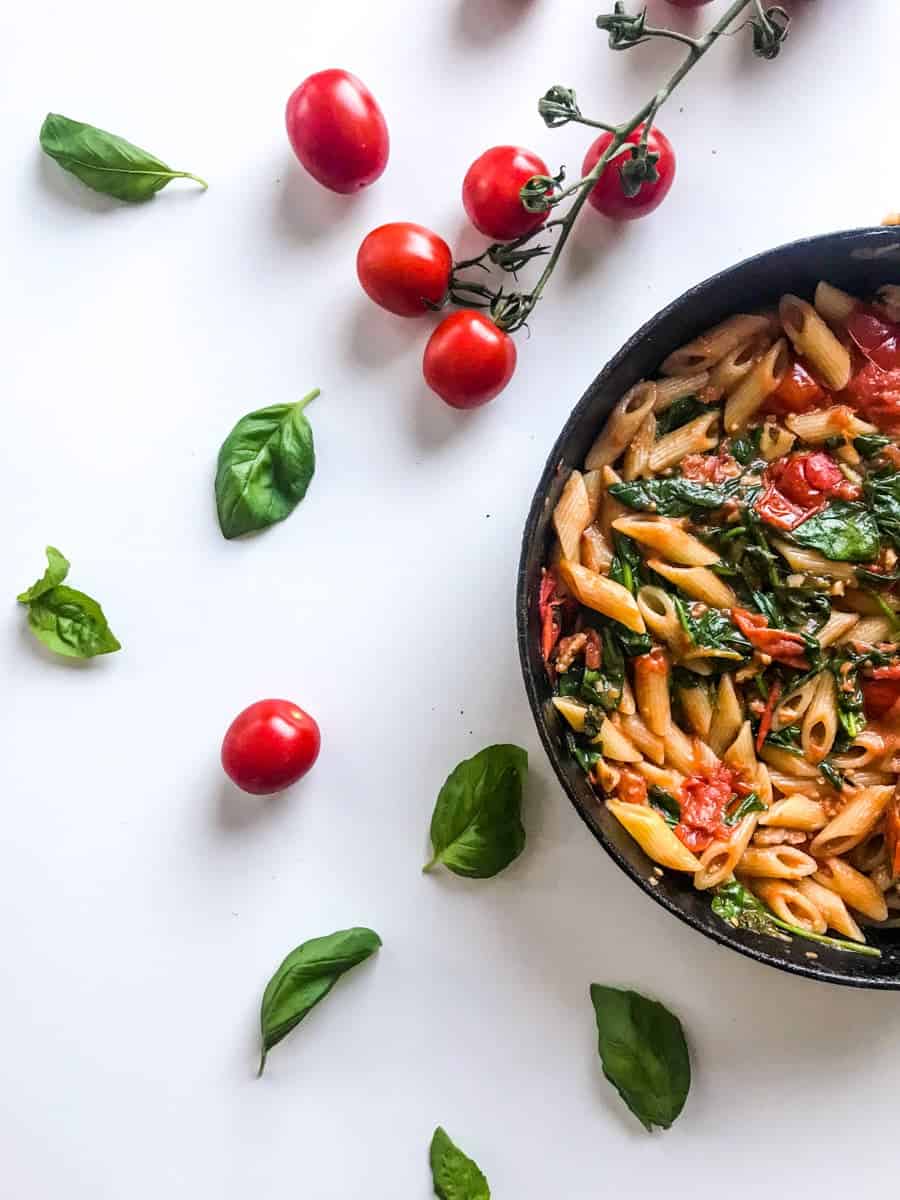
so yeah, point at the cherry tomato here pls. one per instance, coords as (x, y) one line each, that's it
(269, 746)
(338, 131)
(879, 696)
(798, 392)
(607, 195)
(404, 267)
(468, 359)
(876, 394)
(491, 192)
(785, 647)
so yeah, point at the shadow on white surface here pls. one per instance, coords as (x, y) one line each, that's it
(433, 423)
(234, 810)
(479, 22)
(376, 337)
(67, 189)
(593, 237)
(306, 211)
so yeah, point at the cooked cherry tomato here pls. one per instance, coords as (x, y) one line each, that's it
(269, 746)
(491, 189)
(879, 340)
(468, 359)
(798, 392)
(632, 787)
(765, 721)
(876, 394)
(405, 268)
(607, 195)
(780, 645)
(879, 696)
(337, 130)
(704, 801)
(799, 485)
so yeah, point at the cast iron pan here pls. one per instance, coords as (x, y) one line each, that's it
(859, 261)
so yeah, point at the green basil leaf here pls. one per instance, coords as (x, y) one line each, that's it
(476, 829)
(842, 531)
(644, 1054)
(71, 623)
(105, 162)
(305, 977)
(454, 1174)
(265, 466)
(57, 570)
(675, 497)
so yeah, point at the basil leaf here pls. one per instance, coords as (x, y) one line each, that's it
(67, 621)
(305, 977)
(675, 497)
(679, 412)
(787, 739)
(870, 444)
(57, 570)
(476, 829)
(644, 1054)
(586, 756)
(832, 774)
(627, 562)
(454, 1174)
(746, 447)
(842, 531)
(264, 468)
(105, 162)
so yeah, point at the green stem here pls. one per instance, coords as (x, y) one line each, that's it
(188, 175)
(429, 866)
(697, 47)
(308, 399)
(837, 943)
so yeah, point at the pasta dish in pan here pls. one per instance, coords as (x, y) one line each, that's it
(720, 615)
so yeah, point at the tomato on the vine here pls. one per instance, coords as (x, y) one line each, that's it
(468, 360)
(269, 746)
(607, 195)
(491, 192)
(337, 130)
(405, 268)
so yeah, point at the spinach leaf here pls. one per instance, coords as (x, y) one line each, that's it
(105, 162)
(587, 757)
(842, 531)
(454, 1175)
(882, 493)
(786, 739)
(264, 468)
(602, 687)
(870, 444)
(627, 564)
(832, 774)
(738, 907)
(844, 666)
(476, 829)
(672, 497)
(679, 412)
(67, 621)
(305, 977)
(57, 569)
(749, 804)
(665, 804)
(746, 447)
(644, 1054)
(713, 630)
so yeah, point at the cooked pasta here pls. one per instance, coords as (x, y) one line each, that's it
(720, 614)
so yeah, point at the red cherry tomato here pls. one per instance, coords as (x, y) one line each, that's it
(880, 696)
(405, 268)
(798, 392)
(468, 359)
(607, 195)
(337, 130)
(491, 192)
(269, 746)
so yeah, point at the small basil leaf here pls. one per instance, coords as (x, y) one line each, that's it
(71, 623)
(476, 829)
(454, 1174)
(264, 468)
(842, 531)
(644, 1054)
(105, 162)
(305, 977)
(57, 570)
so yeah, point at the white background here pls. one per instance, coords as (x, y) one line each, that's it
(144, 902)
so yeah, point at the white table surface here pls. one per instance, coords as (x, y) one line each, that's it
(144, 901)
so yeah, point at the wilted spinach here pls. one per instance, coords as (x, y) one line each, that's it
(842, 532)
(673, 497)
(738, 907)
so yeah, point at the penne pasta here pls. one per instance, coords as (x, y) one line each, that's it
(832, 908)
(651, 691)
(741, 753)
(615, 745)
(789, 904)
(737, 363)
(833, 305)
(853, 823)
(820, 721)
(693, 438)
(711, 347)
(640, 735)
(775, 441)
(667, 536)
(624, 422)
(795, 812)
(821, 424)
(752, 392)
(637, 456)
(776, 862)
(727, 716)
(572, 516)
(816, 343)
(602, 594)
(697, 709)
(698, 582)
(670, 390)
(791, 708)
(810, 562)
(837, 627)
(719, 860)
(596, 554)
(653, 836)
(853, 887)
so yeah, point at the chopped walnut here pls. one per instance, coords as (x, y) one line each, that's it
(568, 650)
